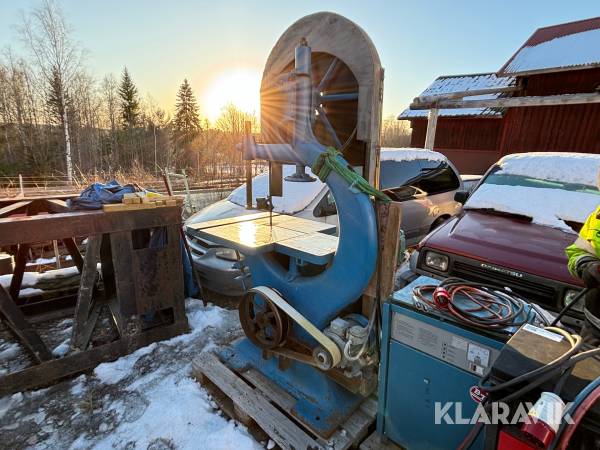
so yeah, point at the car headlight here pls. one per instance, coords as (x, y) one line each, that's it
(228, 254)
(436, 261)
(570, 295)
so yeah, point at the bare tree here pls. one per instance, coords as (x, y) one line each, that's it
(395, 133)
(57, 58)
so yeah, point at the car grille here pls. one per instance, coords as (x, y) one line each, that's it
(533, 291)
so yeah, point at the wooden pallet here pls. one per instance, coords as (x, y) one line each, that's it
(374, 442)
(265, 408)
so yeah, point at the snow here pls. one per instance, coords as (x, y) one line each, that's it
(113, 372)
(29, 279)
(147, 399)
(296, 195)
(565, 51)
(549, 207)
(576, 168)
(409, 154)
(462, 83)
(456, 112)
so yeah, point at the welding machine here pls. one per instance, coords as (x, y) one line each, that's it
(429, 374)
(530, 349)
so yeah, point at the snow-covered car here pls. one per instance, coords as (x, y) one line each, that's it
(513, 229)
(424, 181)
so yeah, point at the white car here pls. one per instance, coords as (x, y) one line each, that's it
(423, 180)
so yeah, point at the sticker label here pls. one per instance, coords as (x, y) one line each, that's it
(477, 394)
(459, 343)
(544, 333)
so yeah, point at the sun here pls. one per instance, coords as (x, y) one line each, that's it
(240, 87)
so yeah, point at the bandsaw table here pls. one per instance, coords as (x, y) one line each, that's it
(253, 234)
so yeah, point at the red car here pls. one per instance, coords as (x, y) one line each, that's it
(514, 227)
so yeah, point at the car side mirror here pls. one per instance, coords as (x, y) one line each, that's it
(461, 196)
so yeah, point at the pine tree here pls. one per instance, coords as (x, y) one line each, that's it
(54, 99)
(187, 120)
(130, 105)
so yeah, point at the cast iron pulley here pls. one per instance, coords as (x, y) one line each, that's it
(262, 321)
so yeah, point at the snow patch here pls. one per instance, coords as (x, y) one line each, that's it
(29, 279)
(409, 154)
(576, 168)
(296, 195)
(62, 349)
(549, 207)
(113, 372)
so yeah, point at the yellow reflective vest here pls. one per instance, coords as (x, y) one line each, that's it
(587, 245)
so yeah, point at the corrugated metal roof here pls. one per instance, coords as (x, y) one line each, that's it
(463, 83)
(568, 46)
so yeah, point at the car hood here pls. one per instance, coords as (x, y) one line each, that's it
(223, 209)
(507, 242)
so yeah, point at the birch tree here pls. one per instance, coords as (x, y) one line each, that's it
(57, 58)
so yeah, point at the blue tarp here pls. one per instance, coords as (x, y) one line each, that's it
(98, 194)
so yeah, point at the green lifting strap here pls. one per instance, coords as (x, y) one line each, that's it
(329, 161)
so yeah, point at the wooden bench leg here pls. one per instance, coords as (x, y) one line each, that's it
(17, 278)
(74, 252)
(85, 314)
(22, 328)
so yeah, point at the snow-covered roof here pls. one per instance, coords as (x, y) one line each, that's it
(409, 154)
(568, 46)
(296, 195)
(576, 168)
(463, 83)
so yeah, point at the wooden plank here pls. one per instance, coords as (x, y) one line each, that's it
(350, 433)
(83, 323)
(22, 329)
(431, 128)
(14, 230)
(17, 278)
(375, 442)
(461, 94)
(389, 219)
(54, 205)
(279, 427)
(15, 208)
(271, 390)
(74, 252)
(513, 102)
(120, 207)
(46, 372)
(122, 259)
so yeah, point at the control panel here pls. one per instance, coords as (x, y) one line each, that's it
(439, 343)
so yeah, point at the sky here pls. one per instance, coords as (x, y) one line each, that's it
(221, 46)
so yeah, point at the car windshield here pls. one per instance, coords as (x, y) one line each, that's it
(296, 195)
(553, 202)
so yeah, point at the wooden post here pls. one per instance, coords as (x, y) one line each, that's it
(431, 126)
(248, 166)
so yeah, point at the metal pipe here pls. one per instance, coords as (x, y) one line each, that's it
(345, 96)
(323, 118)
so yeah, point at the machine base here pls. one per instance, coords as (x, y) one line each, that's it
(321, 404)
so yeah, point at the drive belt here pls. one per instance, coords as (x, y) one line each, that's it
(322, 339)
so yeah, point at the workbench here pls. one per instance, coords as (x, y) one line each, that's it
(131, 265)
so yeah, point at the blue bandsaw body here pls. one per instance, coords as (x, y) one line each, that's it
(321, 403)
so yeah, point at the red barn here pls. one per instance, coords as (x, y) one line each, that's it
(557, 60)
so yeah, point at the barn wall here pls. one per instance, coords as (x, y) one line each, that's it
(555, 128)
(472, 144)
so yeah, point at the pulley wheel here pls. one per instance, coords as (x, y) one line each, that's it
(262, 321)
